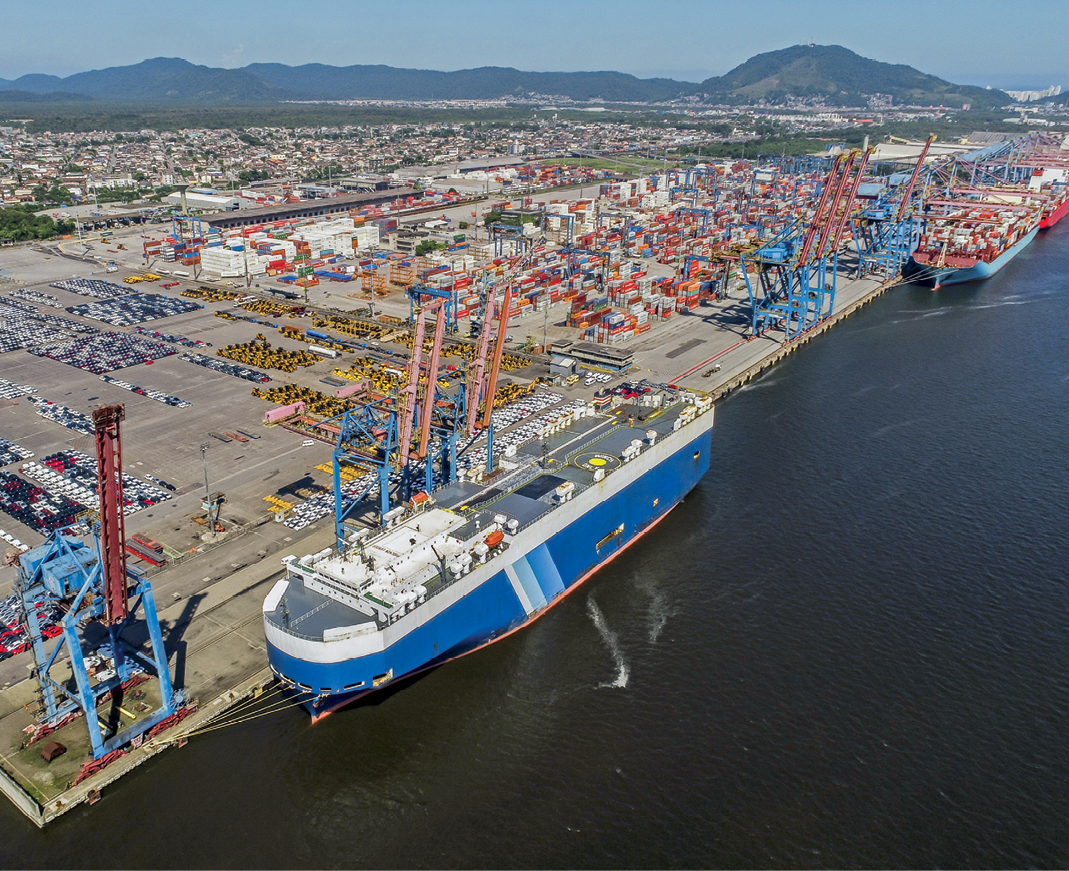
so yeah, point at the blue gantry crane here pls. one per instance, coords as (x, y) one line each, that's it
(787, 278)
(418, 295)
(563, 220)
(888, 231)
(412, 440)
(90, 583)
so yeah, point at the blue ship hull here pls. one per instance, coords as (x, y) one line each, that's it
(492, 610)
(940, 277)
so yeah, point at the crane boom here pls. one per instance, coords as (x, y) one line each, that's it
(408, 392)
(833, 206)
(848, 204)
(432, 380)
(478, 370)
(903, 205)
(810, 235)
(499, 349)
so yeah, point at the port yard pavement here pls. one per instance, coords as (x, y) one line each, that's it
(682, 349)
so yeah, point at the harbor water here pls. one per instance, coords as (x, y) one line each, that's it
(847, 648)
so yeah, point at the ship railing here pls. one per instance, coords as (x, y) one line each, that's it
(534, 520)
(522, 476)
(293, 632)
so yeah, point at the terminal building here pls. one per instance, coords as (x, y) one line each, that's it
(608, 357)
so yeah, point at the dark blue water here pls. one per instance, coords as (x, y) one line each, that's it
(847, 648)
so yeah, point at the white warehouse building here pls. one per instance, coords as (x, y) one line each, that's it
(204, 202)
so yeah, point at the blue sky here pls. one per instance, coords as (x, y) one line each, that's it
(982, 42)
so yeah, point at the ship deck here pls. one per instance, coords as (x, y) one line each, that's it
(521, 489)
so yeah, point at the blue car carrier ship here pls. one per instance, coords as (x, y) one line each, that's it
(483, 557)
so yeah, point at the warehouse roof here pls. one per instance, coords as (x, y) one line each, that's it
(305, 208)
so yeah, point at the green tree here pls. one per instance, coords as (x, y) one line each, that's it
(428, 245)
(20, 224)
(54, 195)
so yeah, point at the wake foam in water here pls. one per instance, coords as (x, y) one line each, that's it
(660, 610)
(757, 385)
(623, 670)
(659, 614)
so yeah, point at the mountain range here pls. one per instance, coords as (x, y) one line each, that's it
(829, 72)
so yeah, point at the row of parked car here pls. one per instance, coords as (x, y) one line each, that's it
(635, 389)
(225, 367)
(14, 637)
(8, 307)
(173, 339)
(11, 390)
(12, 453)
(34, 507)
(22, 329)
(74, 474)
(133, 309)
(151, 393)
(64, 416)
(521, 416)
(105, 352)
(30, 295)
(14, 542)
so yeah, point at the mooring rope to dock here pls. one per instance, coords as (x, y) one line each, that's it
(247, 703)
(273, 709)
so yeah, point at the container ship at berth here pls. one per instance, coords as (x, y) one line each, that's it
(972, 240)
(449, 574)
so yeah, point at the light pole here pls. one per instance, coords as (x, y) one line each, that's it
(207, 489)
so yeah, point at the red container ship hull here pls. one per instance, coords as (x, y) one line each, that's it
(1055, 216)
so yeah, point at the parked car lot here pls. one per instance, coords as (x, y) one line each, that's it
(34, 507)
(74, 474)
(93, 287)
(12, 453)
(105, 352)
(134, 309)
(64, 416)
